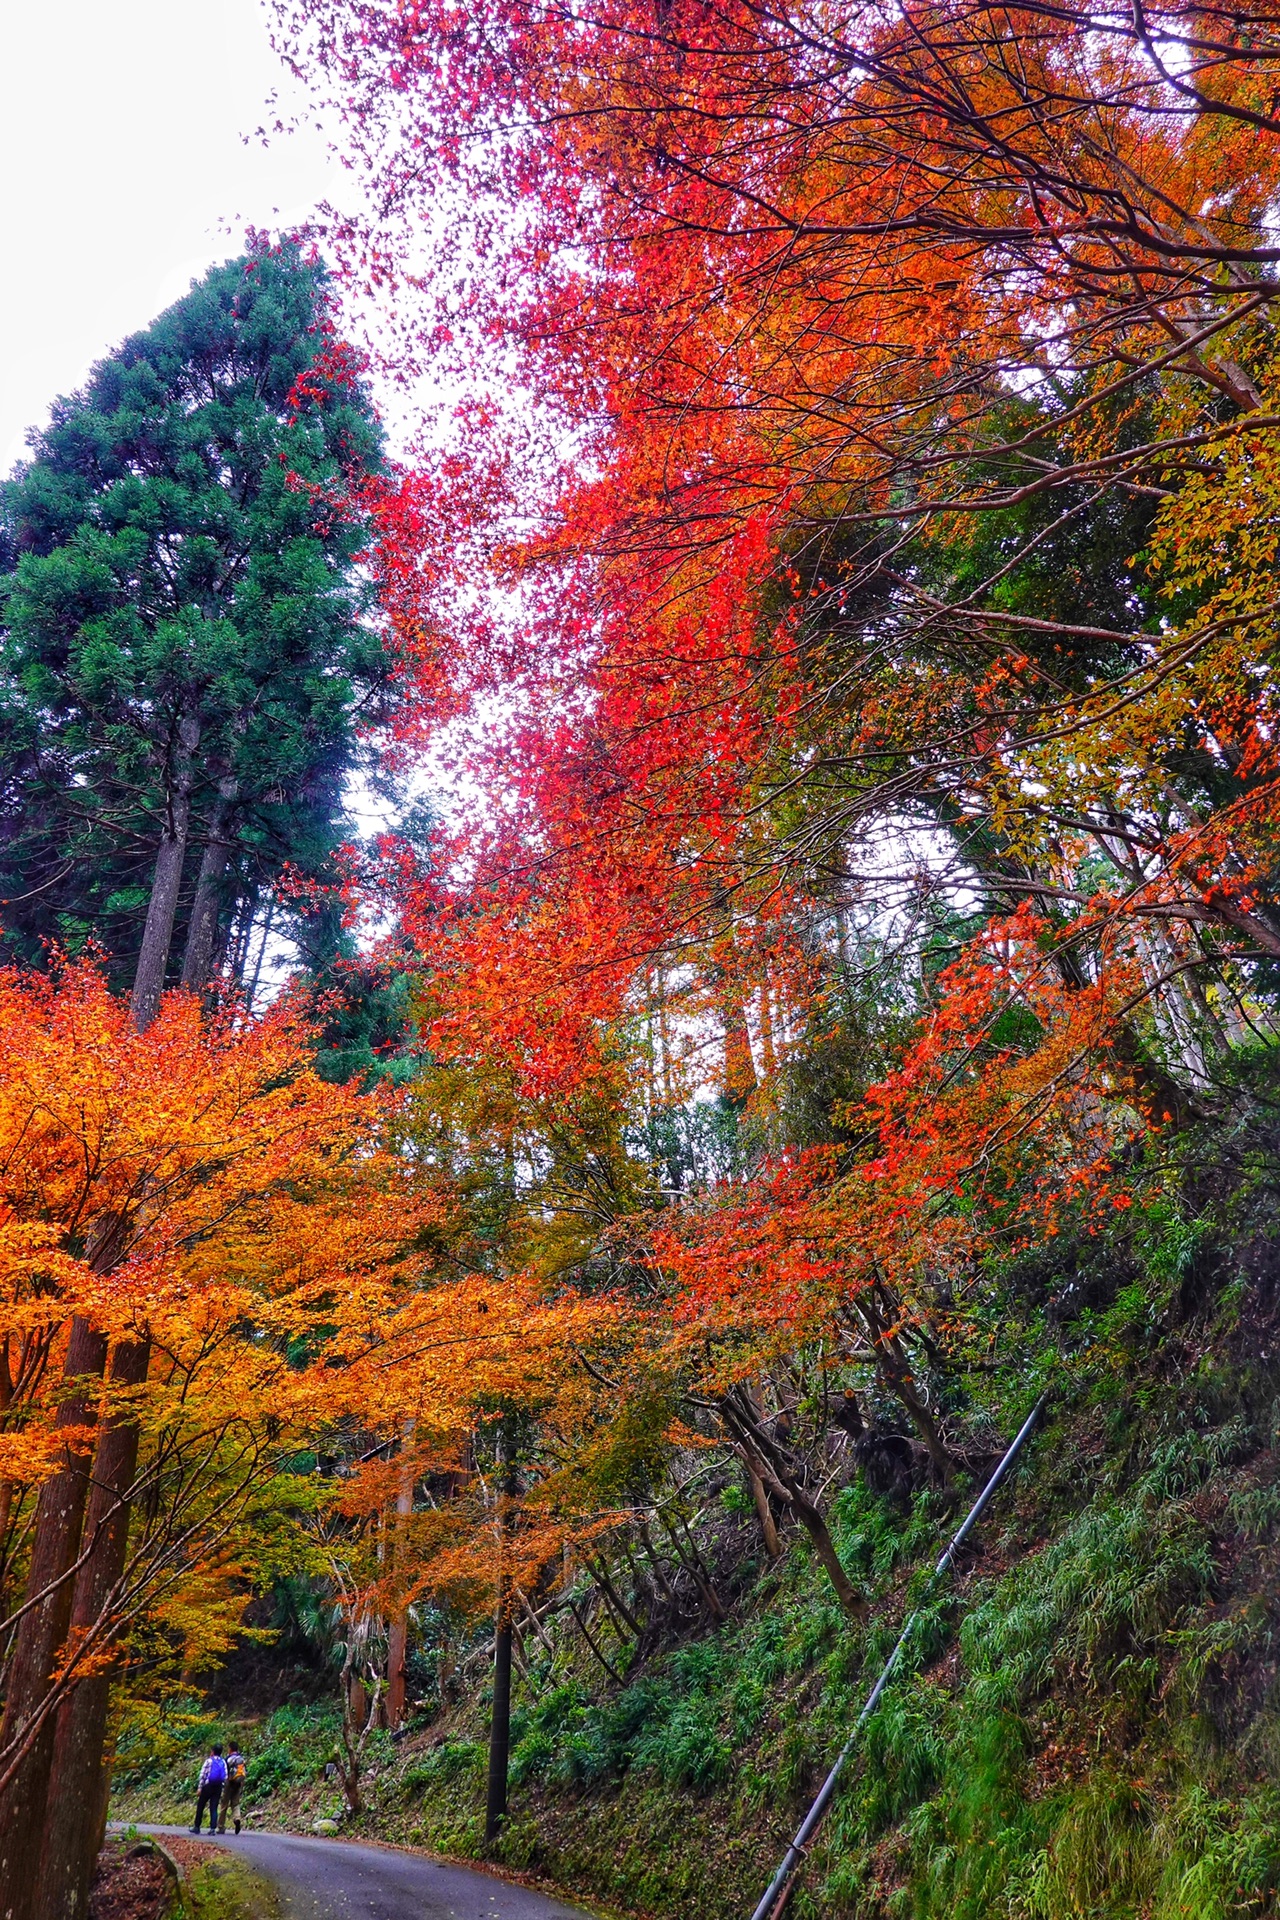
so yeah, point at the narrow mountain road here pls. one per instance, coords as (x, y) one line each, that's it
(342, 1880)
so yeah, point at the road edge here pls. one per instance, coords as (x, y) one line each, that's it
(508, 1876)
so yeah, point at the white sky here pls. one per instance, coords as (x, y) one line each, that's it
(122, 126)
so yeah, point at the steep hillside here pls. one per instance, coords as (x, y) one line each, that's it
(1088, 1722)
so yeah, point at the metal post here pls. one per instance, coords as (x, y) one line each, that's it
(809, 1825)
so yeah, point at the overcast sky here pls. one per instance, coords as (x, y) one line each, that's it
(126, 174)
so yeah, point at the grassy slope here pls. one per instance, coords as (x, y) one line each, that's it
(1091, 1726)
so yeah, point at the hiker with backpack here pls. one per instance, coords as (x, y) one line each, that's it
(236, 1772)
(213, 1775)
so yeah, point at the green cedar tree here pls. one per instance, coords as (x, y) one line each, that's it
(187, 651)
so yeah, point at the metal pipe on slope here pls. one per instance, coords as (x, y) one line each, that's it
(778, 1886)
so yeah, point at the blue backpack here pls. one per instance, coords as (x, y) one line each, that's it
(217, 1770)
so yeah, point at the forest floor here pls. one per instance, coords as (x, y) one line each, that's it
(129, 1888)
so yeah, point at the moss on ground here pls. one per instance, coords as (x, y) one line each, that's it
(228, 1889)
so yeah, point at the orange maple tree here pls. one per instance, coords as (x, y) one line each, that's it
(197, 1205)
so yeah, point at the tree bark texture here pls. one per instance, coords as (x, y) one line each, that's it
(397, 1647)
(206, 909)
(157, 935)
(41, 1636)
(764, 1514)
(398, 1638)
(77, 1810)
(495, 1812)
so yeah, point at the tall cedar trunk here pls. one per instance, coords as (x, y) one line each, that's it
(42, 1634)
(202, 929)
(495, 1813)
(397, 1647)
(77, 1810)
(252, 987)
(157, 935)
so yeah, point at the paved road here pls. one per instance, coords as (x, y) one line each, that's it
(341, 1880)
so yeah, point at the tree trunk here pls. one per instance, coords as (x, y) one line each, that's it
(357, 1719)
(77, 1813)
(768, 1055)
(768, 1461)
(895, 1371)
(78, 1775)
(824, 1546)
(623, 1616)
(398, 1643)
(157, 936)
(693, 1564)
(397, 1647)
(357, 1701)
(601, 1657)
(495, 1813)
(764, 1514)
(252, 988)
(739, 1065)
(42, 1633)
(202, 930)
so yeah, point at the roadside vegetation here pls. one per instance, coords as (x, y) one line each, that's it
(1087, 1720)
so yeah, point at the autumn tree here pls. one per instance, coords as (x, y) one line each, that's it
(195, 1195)
(798, 407)
(481, 1394)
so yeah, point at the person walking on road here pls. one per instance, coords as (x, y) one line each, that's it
(235, 1787)
(213, 1776)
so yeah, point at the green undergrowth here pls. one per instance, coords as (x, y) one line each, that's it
(1104, 1739)
(287, 1753)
